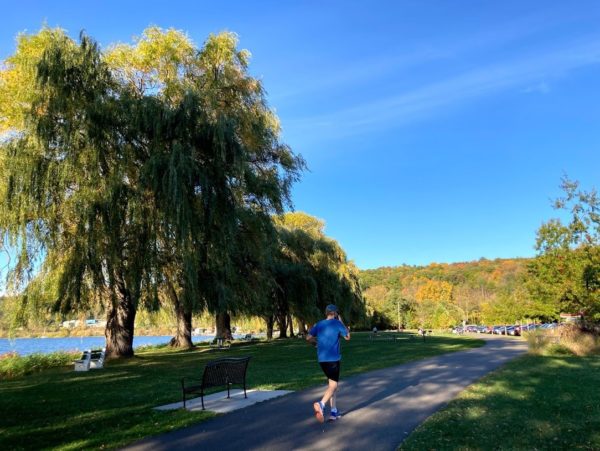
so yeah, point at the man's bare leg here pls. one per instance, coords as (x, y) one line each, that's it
(333, 399)
(330, 392)
(328, 395)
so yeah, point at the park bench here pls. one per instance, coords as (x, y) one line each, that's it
(91, 360)
(221, 372)
(83, 364)
(424, 333)
(97, 359)
(221, 343)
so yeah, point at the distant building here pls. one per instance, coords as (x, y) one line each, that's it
(571, 317)
(92, 322)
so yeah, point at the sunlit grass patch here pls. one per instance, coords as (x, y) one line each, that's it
(534, 402)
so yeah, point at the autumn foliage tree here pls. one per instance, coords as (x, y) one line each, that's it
(565, 276)
(440, 295)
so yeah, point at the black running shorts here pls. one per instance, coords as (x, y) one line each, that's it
(331, 370)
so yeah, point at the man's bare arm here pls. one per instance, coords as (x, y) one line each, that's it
(312, 340)
(347, 337)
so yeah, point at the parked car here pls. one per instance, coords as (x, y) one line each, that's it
(528, 327)
(498, 330)
(514, 330)
(502, 330)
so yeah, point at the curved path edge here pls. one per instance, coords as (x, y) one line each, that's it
(380, 408)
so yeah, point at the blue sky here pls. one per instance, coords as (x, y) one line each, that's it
(434, 131)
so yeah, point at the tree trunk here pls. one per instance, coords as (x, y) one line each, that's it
(302, 327)
(282, 323)
(120, 320)
(183, 337)
(223, 323)
(291, 324)
(270, 323)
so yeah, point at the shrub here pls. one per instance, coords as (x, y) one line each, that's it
(538, 341)
(567, 339)
(13, 365)
(578, 341)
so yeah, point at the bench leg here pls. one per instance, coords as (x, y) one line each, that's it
(202, 399)
(184, 399)
(245, 395)
(228, 385)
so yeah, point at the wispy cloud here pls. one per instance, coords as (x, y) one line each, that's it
(431, 98)
(406, 57)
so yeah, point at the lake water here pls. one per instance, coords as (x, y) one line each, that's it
(25, 346)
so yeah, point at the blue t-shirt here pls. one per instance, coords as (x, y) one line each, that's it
(328, 332)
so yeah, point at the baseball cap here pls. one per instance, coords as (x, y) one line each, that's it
(331, 308)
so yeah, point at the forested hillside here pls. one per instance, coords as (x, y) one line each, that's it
(440, 295)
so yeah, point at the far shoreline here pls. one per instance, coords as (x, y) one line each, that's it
(87, 332)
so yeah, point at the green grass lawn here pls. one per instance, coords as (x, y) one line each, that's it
(59, 408)
(534, 402)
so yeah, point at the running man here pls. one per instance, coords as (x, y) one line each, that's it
(326, 334)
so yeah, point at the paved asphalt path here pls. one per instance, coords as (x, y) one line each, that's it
(380, 408)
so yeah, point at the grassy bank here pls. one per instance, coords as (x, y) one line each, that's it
(534, 402)
(111, 407)
(13, 365)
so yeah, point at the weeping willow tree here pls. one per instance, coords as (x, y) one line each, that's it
(309, 271)
(72, 199)
(142, 171)
(219, 172)
(254, 178)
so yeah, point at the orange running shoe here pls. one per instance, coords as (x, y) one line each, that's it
(319, 412)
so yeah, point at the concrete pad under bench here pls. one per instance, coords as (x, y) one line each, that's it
(219, 403)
